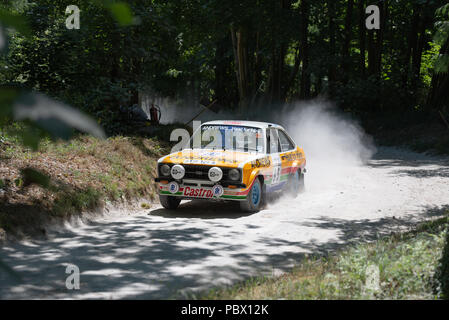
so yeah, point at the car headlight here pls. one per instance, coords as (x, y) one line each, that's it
(178, 171)
(234, 174)
(165, 170)
(215, 174)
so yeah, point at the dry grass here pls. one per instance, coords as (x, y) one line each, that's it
(84, 174)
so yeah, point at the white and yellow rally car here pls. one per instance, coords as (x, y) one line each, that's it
(232, 160)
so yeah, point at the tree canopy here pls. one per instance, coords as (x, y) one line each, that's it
(243, 53)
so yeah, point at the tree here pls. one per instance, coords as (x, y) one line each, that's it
(438, 97)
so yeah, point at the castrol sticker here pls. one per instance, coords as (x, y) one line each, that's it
(198, 192)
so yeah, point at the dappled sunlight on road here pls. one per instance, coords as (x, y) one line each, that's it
(159, 253)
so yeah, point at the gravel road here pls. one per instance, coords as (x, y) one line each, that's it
(155, 253)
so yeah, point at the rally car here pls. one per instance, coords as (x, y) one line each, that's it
(232, 160)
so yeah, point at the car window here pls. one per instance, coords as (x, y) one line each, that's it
(286, 143)
(273, 145)
(228, 137)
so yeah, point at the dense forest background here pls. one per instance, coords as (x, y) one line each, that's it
(242, 53)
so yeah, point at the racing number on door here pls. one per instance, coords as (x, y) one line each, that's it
(277, 165)
(274, 149)
(276, 174)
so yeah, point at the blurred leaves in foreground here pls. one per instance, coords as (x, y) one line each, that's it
(39, 113)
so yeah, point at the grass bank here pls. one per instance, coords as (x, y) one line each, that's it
(84, 174)
(412, 265)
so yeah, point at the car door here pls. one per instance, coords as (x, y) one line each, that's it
(288, 153)
(274, 151)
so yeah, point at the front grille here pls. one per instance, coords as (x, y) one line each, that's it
(201, 172)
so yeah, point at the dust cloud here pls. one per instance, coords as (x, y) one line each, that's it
(334, 143)
(325, 133)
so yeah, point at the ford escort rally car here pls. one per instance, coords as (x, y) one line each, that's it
(232, 160)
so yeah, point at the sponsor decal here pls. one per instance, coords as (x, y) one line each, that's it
(204, 160)
(173, 187)
(291, 156)
(197, 161)
(232, 122)
(261, 163)
(209, 154)
(217, 190)
(210, 158)
(198, 192)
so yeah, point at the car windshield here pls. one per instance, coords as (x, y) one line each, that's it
(228, 137)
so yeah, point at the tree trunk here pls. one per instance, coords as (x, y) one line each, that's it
(304, 50)
(412, 43)
(372, 56)
(278, 51)
(347, 39)
(239, 40)
(257, 79)
(362, 38)
(221, 72)
(331, 28)
(417, 52)
(383, 8)
(293, 74)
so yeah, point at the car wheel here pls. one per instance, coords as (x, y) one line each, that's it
(295, 184)
(169, 202)
(302, 185)
(254, 199)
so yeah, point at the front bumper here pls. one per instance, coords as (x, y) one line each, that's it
(238, 192)
(223, 183)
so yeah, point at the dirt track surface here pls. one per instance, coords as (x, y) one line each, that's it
(160, 254)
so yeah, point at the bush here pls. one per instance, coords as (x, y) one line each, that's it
(443, 269)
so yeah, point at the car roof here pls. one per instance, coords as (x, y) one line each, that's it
(244, 123)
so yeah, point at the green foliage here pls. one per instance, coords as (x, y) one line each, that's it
(429, 58)
(442, 37)
(40, 111)
(442, 63)
(31, 175)
(443, 269)
(185, 50)
(51, 76)
(68, 203)
(121, 12)
(15, 21)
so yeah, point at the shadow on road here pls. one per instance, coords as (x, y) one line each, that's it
(418, 165)
(164, 253)
(203, 209)
(144, 258)
(391, 157)
(365, 230)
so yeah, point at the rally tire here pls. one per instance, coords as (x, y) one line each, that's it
(255, 198)
(302, 185)
(295, 184)
(169, 202)
(264, 202)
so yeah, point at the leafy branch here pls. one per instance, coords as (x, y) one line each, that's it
(441, 37)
